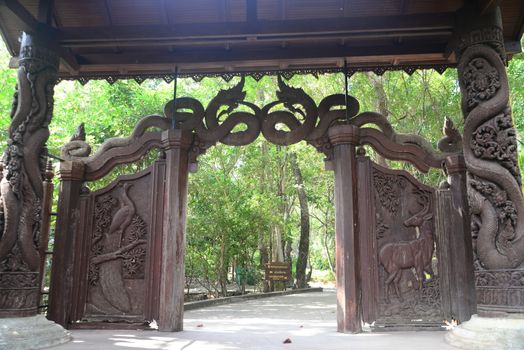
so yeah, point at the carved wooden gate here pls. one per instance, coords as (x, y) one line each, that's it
(400, 261)
(121, 229)
(119, 251)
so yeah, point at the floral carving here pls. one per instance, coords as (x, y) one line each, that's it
(134, 259)
(496, 140)
(388, 189)
(481, 81)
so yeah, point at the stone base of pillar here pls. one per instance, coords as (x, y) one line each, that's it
(33, 332)
(489, 333)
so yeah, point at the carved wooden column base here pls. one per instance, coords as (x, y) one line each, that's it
(344, 138)
(176, 144)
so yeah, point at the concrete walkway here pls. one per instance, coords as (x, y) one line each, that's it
(307, 320)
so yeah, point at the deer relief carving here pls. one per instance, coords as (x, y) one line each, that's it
(414, 254)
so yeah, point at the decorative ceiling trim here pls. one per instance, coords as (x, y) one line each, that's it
(111, 78)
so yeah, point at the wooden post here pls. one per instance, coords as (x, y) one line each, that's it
(171, 316)
(462, 288)
(71, 178)
(344, 138)
(47, 204)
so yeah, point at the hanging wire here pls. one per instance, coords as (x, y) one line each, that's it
(173, 117)
(346, 85)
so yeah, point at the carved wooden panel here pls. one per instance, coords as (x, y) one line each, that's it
(117, 275)
(399, 261)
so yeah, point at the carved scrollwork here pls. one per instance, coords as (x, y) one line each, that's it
(496, 140)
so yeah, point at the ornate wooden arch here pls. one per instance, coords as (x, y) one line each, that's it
(294, 117)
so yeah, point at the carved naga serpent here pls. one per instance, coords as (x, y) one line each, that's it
(21, 187)
(494, 182)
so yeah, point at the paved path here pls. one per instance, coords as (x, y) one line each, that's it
(308, 320)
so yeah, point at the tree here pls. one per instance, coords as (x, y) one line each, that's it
(303, 245)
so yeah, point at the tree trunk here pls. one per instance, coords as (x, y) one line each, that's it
(326, 247)
(222, 273)
(303, 245)
(381, 104)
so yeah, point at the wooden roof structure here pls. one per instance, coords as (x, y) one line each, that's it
(130, 38)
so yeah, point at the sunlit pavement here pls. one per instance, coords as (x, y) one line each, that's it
(307, 320)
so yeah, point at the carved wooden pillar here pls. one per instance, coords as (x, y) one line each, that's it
(60, 299)
(344, 138)
(490, 152)
(21, 188)
(176, 144)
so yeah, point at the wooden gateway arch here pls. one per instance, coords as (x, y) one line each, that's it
(387, 224)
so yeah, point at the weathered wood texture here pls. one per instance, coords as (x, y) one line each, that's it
(47, 204)
(344, 138)
(453, 227)
(60, 299)
(176, 144)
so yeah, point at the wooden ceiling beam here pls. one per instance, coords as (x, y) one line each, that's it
(29, 23)
(192, 56)
(262, 30)
(173, 43)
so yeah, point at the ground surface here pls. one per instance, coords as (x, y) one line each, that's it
(308, 320)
